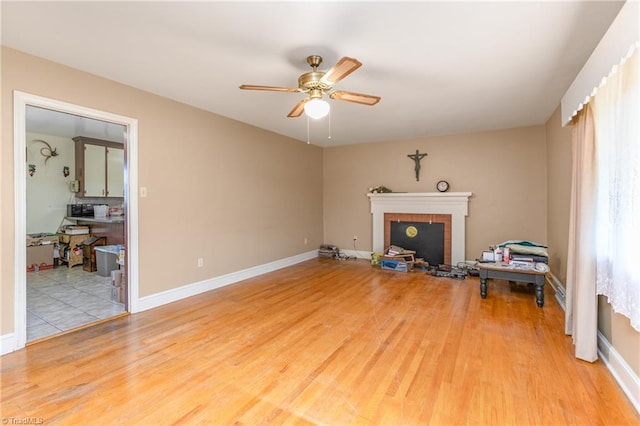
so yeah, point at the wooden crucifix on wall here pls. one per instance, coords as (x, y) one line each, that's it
(416, 159)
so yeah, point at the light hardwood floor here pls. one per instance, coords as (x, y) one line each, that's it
(322, 342)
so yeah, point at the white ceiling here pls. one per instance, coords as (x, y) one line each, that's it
(56, 123)
(440, 67)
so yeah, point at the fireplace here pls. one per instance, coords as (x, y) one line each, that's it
(447, 208)
(429, 235)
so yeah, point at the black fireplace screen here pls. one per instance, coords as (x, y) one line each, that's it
(427, 239)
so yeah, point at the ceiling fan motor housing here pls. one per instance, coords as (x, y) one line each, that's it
(311, 80)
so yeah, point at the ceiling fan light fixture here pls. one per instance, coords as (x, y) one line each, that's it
(316, 108)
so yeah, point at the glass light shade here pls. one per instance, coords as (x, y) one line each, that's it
(316, 108)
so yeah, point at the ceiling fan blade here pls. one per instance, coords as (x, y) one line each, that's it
(343, 68)
(298, 109)
(357, 98)
(270, 88)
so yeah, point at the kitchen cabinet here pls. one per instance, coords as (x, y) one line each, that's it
(95, 171)
(99, 167)
(115, 172)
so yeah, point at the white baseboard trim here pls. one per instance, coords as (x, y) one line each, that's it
(360, 254)
(173, 295)
(557, 286)
(8, 343)
(620, 370)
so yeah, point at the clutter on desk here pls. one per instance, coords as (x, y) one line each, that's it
(523, 248)
(518, 254)
(80, 210)
(75, 229)
(100, 210)
(517, 250)
(116, 211)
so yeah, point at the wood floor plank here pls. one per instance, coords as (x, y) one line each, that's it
(321, 342)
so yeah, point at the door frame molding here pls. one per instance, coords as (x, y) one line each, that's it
(20, 102)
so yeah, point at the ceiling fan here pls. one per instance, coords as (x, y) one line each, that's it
(317, 84)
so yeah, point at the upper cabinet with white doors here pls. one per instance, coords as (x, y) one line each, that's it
(99, 167)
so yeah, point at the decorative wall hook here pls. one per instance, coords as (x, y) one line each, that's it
(47, 152)
(32, 169)
(65, 171)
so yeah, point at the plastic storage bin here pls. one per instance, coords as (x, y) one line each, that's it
(106, 260)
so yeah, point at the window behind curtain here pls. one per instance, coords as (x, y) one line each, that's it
(616, 119)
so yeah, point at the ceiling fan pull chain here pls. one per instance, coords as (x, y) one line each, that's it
(329, 125)
(308, 130)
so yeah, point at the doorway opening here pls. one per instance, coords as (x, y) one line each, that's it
(43, 127)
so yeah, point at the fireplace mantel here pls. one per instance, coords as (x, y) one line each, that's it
(452, 203)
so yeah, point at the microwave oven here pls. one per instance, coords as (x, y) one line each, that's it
(80, 210)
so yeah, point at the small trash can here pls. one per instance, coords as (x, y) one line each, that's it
(106, 260)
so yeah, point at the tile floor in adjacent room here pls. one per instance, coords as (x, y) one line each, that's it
(63, 298)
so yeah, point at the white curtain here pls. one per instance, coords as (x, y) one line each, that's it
(616, 116)
(581, 310)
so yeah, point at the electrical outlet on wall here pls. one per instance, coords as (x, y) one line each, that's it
(200, 262)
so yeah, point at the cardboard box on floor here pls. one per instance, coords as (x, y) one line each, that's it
(40, 256)
(117, 286)
(41, 239)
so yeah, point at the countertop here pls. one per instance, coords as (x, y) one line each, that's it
(117, 219)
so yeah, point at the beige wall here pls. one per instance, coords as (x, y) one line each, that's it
(504, 169)
(48, 189)
(558, 193)
(615, 328)
(230, 193)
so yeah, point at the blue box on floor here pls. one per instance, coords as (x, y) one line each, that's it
(394, 265)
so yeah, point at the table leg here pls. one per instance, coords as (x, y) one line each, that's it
(483, 288)
(540, 293)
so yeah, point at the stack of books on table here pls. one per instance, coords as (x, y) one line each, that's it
(76, 230)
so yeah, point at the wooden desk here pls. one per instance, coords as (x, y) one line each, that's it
(502, 271)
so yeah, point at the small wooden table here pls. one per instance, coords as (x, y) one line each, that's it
(503, 271)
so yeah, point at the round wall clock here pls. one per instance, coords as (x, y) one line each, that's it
(443, 186)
